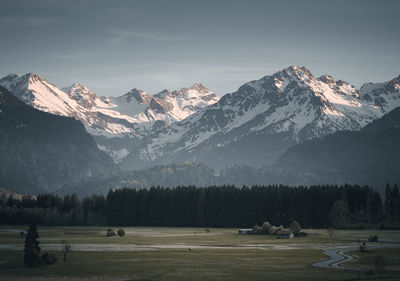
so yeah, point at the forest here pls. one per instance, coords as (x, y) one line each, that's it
(347, 206)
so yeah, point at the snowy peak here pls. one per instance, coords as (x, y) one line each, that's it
(327, 79)
(84, 96)
(6, 81)
(199, 88)
(135, 95)
(174, 106)
(385, 96)
(163, 94)
(41, 94)
(300, 73)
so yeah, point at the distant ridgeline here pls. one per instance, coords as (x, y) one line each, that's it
(218, 206)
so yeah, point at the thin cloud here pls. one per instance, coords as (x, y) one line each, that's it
(27, 21)
(122, 35)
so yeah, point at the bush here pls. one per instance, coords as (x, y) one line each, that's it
(295, 228)
(49, 258)
(382, 225)
(373, 238)
(257, 229)
(266, 226)
(110, 232)
(121, 232)
(32, 258)
(273, 230)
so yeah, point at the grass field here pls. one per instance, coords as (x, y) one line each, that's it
(163, 254)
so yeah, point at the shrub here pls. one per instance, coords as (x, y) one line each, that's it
(382, 225)
(32, 258)
(273, 230)
(257, 229)
(295, 228)
(363, 247)
(110, 232)
(121, 232)
(373, 238)
(266, 226)
(49, 258)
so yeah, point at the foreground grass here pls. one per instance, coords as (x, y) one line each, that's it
(182, 265)
(382, 263)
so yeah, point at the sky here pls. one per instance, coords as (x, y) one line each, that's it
(114, 46)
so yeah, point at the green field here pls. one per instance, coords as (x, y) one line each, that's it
(160, 253)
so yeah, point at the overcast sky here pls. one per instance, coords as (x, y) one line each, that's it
(113, 46)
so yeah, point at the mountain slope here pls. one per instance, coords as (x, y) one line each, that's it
(370, 156)
(263, 118)
(44, 152)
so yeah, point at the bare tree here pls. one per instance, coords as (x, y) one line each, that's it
(67, 248)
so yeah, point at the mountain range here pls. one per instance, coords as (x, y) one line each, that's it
(271, 124)
(256, 124)
(111, 120)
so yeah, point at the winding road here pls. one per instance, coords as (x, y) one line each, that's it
(339, 256)
(336, 258)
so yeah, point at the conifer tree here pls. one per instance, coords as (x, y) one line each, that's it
(32, 249)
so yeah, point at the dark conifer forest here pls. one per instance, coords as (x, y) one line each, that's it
(216, 206)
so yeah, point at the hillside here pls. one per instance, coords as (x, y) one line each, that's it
(369, 156)
(44, 152)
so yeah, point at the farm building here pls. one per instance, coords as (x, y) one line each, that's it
(246, 231)
(284, 234)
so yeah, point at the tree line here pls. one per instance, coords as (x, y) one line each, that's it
(215, 206)
(51, 209)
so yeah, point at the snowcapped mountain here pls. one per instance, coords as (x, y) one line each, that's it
(165, 106)
(258, 122)
(79, 102)
(131, 116)
(252, 126)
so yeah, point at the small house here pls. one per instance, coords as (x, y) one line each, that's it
(284, 234)
(246, 231)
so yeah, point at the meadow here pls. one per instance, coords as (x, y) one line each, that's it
(164, 253)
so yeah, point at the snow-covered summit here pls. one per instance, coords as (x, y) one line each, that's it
(385, 96)
(165, 106)
(84, 96)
